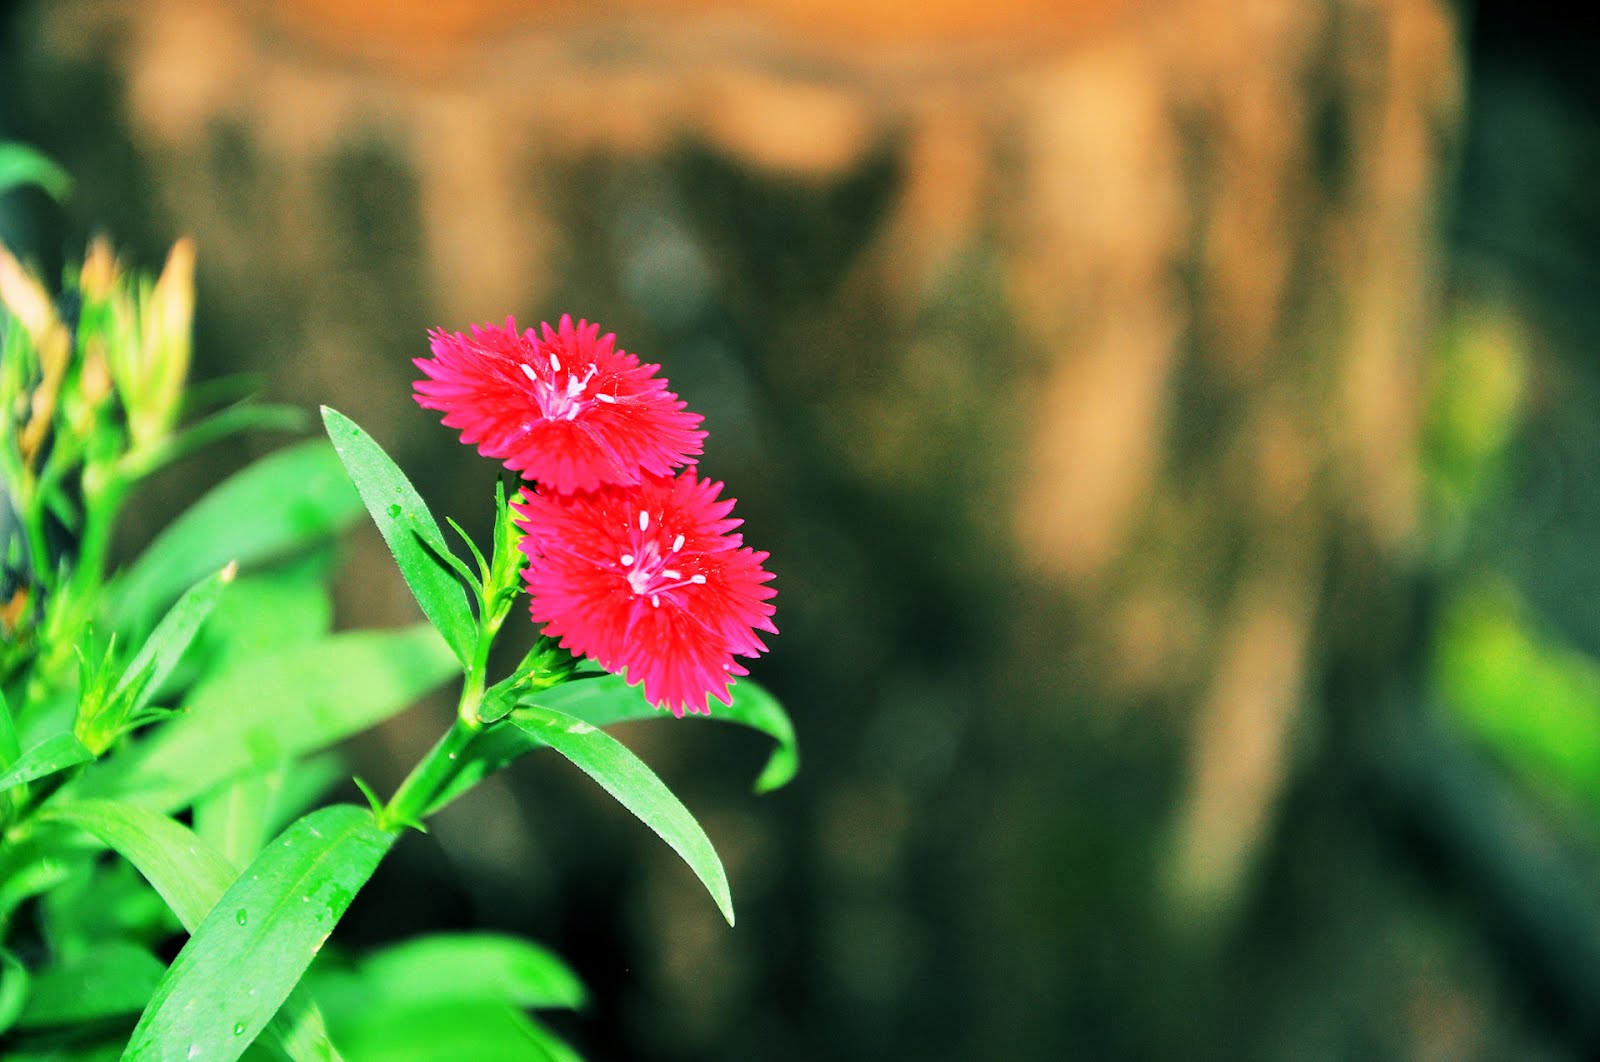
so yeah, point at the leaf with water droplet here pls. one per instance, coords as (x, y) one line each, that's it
(409, 529)
(203, 999)
(242, 916)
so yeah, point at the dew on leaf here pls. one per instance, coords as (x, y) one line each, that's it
(241, 916)
(238, 1028)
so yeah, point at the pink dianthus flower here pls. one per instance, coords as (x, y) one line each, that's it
(566, 409)
(650, 579)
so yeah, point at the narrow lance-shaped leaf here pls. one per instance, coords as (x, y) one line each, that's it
(251, 950)
(54, 753)
(270, 509)
(409, 529)
(190, 877)
(166, 644)
(625, 776)
(272, 708)
(609, 699)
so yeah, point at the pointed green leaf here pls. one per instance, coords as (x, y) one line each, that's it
(276, 707)
(44, 759)
(166, 644)
(409, 528)
(608, 699)
(269, 510)
(190, 876)
(251, 950)
(625, 776)
(181, 867)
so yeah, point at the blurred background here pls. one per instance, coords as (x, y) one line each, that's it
(1172, 422)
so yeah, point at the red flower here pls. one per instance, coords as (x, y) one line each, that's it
(650, 579)
(568, 410)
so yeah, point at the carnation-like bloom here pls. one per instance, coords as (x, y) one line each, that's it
(650, 579)
(566, 409)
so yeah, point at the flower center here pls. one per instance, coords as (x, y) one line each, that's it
(560, 400)
(649, 569)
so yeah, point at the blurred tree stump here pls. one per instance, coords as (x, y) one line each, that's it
(1067, 356)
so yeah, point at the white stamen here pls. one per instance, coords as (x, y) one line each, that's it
(677, 544)
(607, 399)
(626, 558)
(670, 574)
(655, 600)
(527, 370)
(555, 362)
(698, 580)
(644, 520)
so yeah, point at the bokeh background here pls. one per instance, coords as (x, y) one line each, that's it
(1172, 421)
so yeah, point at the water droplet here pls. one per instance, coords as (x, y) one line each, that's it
(238, 1028)
(241, 916)
(194, 1051)
(394, 511)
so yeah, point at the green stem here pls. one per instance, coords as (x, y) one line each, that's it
(428, 779)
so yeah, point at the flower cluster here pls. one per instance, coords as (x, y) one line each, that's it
(631, 562)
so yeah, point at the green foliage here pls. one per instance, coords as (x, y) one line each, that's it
(276, 507)
(409, 528)
(623, 775)
(273, 708)
(204, 679)
(271, 922)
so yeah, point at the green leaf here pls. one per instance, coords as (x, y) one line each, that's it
(482, 966)
(625, 776)
(166, 644)
(276, 707)
(187, 873)
(246, 416)
(21, 165)
(272, 508)
(410, 530)
(190, 877)
(44, 759)
(248, 954)
(608, 699)
(114, 977)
